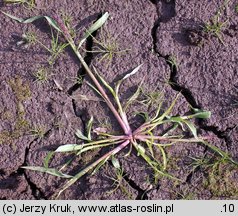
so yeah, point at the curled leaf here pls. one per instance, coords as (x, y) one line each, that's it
(201, 114)
(89, 128)
(80, 135)
(115, 162)
(51, 21)
(98, 24)
(134, 71)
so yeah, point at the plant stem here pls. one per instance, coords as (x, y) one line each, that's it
(101, 90)
(142, 128)
(94, 164)
(70, 40)
(161, 138)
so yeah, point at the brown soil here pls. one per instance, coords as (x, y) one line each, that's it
(153, 31)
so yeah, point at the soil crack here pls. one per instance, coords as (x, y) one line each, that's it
(142, 194)
(173, 70)
(88, 59)
(175, 86)
(81, 75)
(187, 94)
(36, 191)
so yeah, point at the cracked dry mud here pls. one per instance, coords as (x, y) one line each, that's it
(153, 31)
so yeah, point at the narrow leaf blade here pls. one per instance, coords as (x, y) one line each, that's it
(134, 71)
(80, 135)
(192, 128)
(115, 162)
(98, 24)
(50, 171)
(89, 128)
(51, 21)
(105, 82)
(69, 148)
(201, 114)
(47, 159)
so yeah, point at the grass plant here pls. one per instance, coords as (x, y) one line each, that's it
(106, 47)
(172, 60)
(145, 140)
(41, 76)
(220, 175)
(119, 182)
(29, 4)
(55, 49)
(38, 132)
(215, 26)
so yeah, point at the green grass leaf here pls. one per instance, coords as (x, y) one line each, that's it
(164, 157)
(50, 171)
(115, 162)
(69, 148)
(89, 128)
(105, 83)
(32, 19)
(140, 150)
(181, 120)
(134, 71)
(81, 148)
(200, 114)
(151, 162)
(98, 24)
(168, 111)
(95, 89)
(100, 165)
(192, 128)
(81, 136)
(47, 159)
(134, 96)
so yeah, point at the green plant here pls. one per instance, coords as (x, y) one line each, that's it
(38, 132)
(119, 183)
(207, 163)
(56, 48)
(220, 180)
(203, 162)
(118, 179)
(219, 174)
(172, 60)
(20, 125)
(28, 38)
(41, 75)
(215, 26)
(67, 19)
(151, 99)
(79, 79)
(107, 47)
(30, 4)
(184, 194)
(146, 139)
(236, 8)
